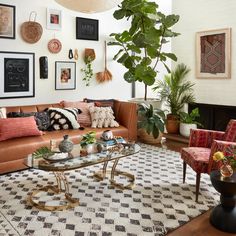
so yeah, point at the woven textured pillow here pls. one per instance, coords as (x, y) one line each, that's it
(84, 118)
(102, 117)
(3, 112)
(18, 127)
(63, 118)
(101, 102)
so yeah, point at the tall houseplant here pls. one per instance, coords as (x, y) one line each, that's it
(176, 91)
(141, 45)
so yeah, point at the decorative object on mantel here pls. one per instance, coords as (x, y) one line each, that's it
(54, 46)
(70, 54)
(31, 31)
(89, 6)
(7, 21)
(87, 29)
(106, 74)
(213, 54)
(89, 56)
(76, 54)
(54, 19)
(16, 65)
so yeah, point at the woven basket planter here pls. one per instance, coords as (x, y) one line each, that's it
(144, 137)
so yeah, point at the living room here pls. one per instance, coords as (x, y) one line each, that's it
(51, 37)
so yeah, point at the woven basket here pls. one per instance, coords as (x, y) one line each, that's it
(31, 31)
(144, 137)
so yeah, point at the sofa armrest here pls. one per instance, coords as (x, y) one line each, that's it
(204, 138)
(223, 146)
(126, 115)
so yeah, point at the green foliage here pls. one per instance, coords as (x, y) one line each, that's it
(190, 118)
(148, 31)
(88, 138)
(88, 71)
(150, 119)
(40, 152)
(175, 89)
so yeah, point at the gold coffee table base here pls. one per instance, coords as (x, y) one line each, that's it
(61, 188)
(100, 175)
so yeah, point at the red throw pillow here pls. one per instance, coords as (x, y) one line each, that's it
(18, 127)
(84, 119)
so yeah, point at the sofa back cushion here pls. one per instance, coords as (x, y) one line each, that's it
(18, 127)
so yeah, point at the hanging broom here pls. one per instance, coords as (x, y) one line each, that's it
(106, 74)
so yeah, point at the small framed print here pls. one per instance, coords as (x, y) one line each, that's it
(7, 21)
(65, 76)
(213, 54)
(87, 29)
(16, 75)
(54, 19)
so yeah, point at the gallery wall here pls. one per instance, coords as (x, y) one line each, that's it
(45, 88)
(198, 16)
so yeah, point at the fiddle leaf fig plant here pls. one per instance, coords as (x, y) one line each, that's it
(141, 45)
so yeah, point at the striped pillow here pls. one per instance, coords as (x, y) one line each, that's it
(84, 118)
(18, 127)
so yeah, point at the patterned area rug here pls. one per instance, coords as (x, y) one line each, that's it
(158, 204)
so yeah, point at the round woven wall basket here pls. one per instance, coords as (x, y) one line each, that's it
(31, 31)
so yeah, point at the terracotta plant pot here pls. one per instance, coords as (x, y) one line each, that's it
(172, 124)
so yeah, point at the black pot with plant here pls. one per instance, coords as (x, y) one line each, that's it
(141, 46)
(176, 91)
(150, 124)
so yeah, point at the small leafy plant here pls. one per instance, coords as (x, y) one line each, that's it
(88, 138)
(191, 117)
(88, 71)
(151, 120)
(40, 152)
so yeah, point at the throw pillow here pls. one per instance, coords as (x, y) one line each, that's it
(101, 102)
(3, 112)
(18, 127)
(42, 118)
(102, 117)
(63, 118)
(84, 118)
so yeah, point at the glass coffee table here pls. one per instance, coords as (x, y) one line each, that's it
(42, 197)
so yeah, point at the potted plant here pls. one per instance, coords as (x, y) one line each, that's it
(176, 91)
(150, 124)
(141, 46)
(188, 122)
(87, 142)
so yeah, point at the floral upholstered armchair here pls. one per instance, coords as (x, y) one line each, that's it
(202, 145)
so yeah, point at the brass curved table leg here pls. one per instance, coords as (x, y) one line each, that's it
(100, 175)
(61, 187)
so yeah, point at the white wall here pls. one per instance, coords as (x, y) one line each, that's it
(198, 16)
(44, 89)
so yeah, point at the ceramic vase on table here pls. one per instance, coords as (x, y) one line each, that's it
(66, 145)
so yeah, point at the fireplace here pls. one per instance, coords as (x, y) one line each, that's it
(214, 117)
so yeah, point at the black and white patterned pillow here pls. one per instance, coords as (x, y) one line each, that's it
(63, 118)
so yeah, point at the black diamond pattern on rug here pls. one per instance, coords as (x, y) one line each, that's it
(159, 202)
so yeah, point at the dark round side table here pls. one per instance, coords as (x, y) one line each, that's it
(223, 216)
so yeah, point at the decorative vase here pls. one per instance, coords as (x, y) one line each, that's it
(66, 145)
(226, 170)
(185, 129)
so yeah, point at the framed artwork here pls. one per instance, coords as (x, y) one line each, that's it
(65, 76)
(16, 75)
(7, 21)
(54, 18)
(86, 29)
(213, 54)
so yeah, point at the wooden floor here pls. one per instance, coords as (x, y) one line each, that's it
(199, 226)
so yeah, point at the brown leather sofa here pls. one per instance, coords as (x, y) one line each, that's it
(13, 151)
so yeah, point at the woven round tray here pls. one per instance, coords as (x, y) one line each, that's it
(54, 46)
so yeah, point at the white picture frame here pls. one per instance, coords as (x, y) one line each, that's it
(65, 75)
(54, 19)
(17, 79)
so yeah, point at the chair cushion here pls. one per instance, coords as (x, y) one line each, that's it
(197, 158)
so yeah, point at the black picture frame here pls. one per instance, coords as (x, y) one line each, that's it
(8, 29)
(17, 74)
(87, 29)
(65, 75)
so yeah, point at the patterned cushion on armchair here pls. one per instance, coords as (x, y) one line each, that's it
(230, 133)
(197, 158)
